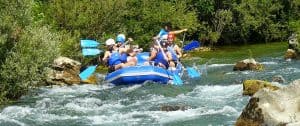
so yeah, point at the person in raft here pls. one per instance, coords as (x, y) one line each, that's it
(160, 56)
(113, 57)
(175, 51)
(166, 30)
(132, 56)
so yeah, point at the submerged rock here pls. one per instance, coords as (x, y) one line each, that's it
(248, 64)
(173, 108)
(290, 54)
(273, 108)
(64, 71)
(278, 78)
(250, 87)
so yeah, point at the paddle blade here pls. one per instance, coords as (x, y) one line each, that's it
(193, 73)
(87, 72)
(177, 80)
(194, 44)
(89, 43)
(91, 52)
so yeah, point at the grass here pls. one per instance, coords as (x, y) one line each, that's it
(231, 54)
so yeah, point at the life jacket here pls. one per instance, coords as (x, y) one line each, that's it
(173, 53)
(114, 59)
(123, 57)
(160, 59)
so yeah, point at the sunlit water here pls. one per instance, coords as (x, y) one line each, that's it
(215, 99)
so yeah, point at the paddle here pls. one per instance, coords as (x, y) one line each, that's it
(89, 43)
(192, 45)
(176, 79)
(91, 51)
(192, 73)
(87, 72)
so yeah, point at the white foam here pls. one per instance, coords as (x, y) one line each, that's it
(75, 89)
(220, 65)
(4, 119)
(269, 63)
(165, 117)
(130, 88)
(16, 111)
(84, 105)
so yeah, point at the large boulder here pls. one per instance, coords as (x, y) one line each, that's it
(273, 108)
(248, 64)
(290, 54)
(64, 71)
(250, 87)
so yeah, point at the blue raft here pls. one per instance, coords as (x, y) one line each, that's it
(141, 73)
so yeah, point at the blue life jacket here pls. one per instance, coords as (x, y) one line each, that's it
(123, 57)
(160, 59)
(173, 53)
(114, 59)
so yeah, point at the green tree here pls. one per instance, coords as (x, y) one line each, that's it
(24, 67)
(257, 20)
(14, 16)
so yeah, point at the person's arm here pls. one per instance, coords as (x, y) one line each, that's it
(177, 31)
(106, 55)
(169, 56)
(178, 51)
(161, 32)
(152, 55)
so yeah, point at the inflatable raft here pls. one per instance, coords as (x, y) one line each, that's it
(142, 73)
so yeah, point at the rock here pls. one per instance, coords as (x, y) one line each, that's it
(273, 108)
(293, 42)
(64, 71)
(290, 54)
(250, 87)
(247, 64)
(173, 108)
(278, 78)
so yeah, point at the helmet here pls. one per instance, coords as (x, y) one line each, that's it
(110, 42)
(121, 38)
(164, 37)
(171, 37)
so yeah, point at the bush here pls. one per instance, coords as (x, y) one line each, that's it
(25, 64)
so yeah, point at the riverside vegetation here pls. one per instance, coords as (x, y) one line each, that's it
(34, 32)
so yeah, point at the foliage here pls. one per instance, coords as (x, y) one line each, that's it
(69, 45)
(91, 19)
(14, 16)
(25, 64)
(146, 18)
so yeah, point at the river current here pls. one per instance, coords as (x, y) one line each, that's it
(214, 100)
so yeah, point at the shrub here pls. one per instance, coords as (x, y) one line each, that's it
(25, 64)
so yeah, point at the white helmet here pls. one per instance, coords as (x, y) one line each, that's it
(110, 42)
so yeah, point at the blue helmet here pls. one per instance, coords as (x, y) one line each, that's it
(121, 38)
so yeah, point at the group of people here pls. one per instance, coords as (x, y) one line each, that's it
(117, 56)
(163, 53)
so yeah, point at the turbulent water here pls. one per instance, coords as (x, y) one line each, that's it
(215, 99)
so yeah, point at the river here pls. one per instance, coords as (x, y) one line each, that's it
(214, 100)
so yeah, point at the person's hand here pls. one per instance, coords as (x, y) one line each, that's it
(185, 29)
(130, 39)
